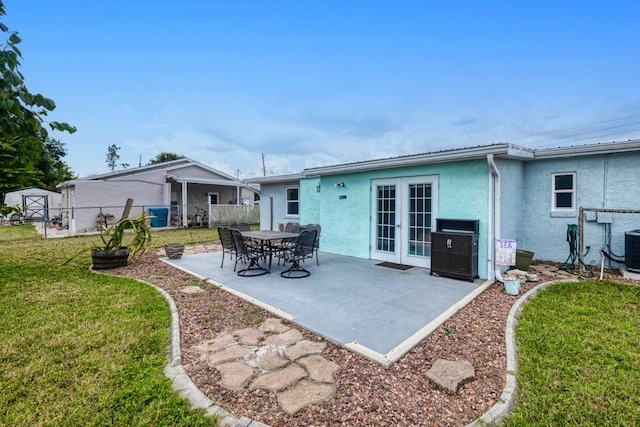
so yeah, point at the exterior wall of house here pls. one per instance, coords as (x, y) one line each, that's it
(312, 201)
(346, 222)
(273, 205)
(148, 187)
(91, 198)
(158, 176)
(602, 181)
(511, 199)
(193, 171)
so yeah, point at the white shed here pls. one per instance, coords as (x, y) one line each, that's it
(34, 201)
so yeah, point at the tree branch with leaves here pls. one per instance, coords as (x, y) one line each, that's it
(23, 129)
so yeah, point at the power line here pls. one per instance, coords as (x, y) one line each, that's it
(608, 134)
(575, 127)
(588, 132)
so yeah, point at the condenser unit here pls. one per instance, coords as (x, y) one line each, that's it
(632, 250)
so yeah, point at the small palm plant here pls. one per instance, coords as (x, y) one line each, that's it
(114, 237)
(114, 252)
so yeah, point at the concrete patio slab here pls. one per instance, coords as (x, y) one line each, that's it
(378, 312)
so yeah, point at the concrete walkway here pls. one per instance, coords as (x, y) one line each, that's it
(378, 312)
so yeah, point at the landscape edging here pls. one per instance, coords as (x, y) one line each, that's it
(499, 411)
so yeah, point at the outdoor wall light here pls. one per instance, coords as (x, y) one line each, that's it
(340, 184)
(318, 188)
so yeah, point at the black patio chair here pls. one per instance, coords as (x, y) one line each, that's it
(292, 227)
(226, 239)
(249, 251)
(301, 249)
(316, 245)
(286, 244)
(242, 226)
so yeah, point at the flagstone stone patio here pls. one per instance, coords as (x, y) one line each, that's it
(276, 358)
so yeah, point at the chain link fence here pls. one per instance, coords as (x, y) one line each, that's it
(94, 218)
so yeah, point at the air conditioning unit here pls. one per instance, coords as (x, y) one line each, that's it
(632, 250)
(281, 225)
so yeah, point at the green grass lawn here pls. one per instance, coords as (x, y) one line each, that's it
(579, 357)
(78, 348)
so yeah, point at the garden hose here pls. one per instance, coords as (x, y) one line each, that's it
(574, 260)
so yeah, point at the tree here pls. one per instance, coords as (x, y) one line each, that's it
(54, 170)
(164, 157)
(22, 132)
(112, 156)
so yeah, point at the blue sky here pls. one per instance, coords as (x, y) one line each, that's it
(313, 83)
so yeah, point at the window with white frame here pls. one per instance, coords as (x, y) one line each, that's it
(293, 202)
(564, 191)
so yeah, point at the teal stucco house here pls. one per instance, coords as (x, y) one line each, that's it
(387, 209)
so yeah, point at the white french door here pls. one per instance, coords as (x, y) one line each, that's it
(403, 213)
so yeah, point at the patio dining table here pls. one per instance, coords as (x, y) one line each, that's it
(267, 239)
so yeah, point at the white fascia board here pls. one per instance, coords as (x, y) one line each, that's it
(200, 180)
(274, 179)
(191, 162)
(516, 152)
(421, 159)
(589, 149)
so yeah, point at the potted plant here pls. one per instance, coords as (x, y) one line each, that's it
(114, 252)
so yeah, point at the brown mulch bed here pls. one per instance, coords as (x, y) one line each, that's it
(367, 393)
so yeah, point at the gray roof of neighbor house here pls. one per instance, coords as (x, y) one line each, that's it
(504, 150)
(170, 165)
(173, 165)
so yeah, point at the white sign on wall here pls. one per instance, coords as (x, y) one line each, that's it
(506, 252)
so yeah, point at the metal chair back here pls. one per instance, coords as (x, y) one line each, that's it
(228, 246)
(247, 252)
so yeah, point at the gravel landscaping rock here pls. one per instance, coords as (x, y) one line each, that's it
(365, 393)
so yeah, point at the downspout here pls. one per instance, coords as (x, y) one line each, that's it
(494, 215)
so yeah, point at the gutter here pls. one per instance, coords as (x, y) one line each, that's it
(614, 147)
(476, 153)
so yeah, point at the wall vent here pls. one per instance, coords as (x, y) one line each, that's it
(632, 250)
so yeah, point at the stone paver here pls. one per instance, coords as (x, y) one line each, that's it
(319, 368)
(249, 336)
(305, 393)
(279, 380)
(235, 374)
(269, 358)
(192, 290)
(218, 343)
(265, 358)
(304, 348)
(228, 354)
(286, 338)
(272, 325)
(450, 375)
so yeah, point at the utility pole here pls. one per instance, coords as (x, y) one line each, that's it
(264, 169)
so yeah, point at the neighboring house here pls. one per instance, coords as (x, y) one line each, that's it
(35, 202)
(386, 209)
(176, 187)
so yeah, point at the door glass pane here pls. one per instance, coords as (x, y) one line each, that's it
(386, 223)
(419, 233)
